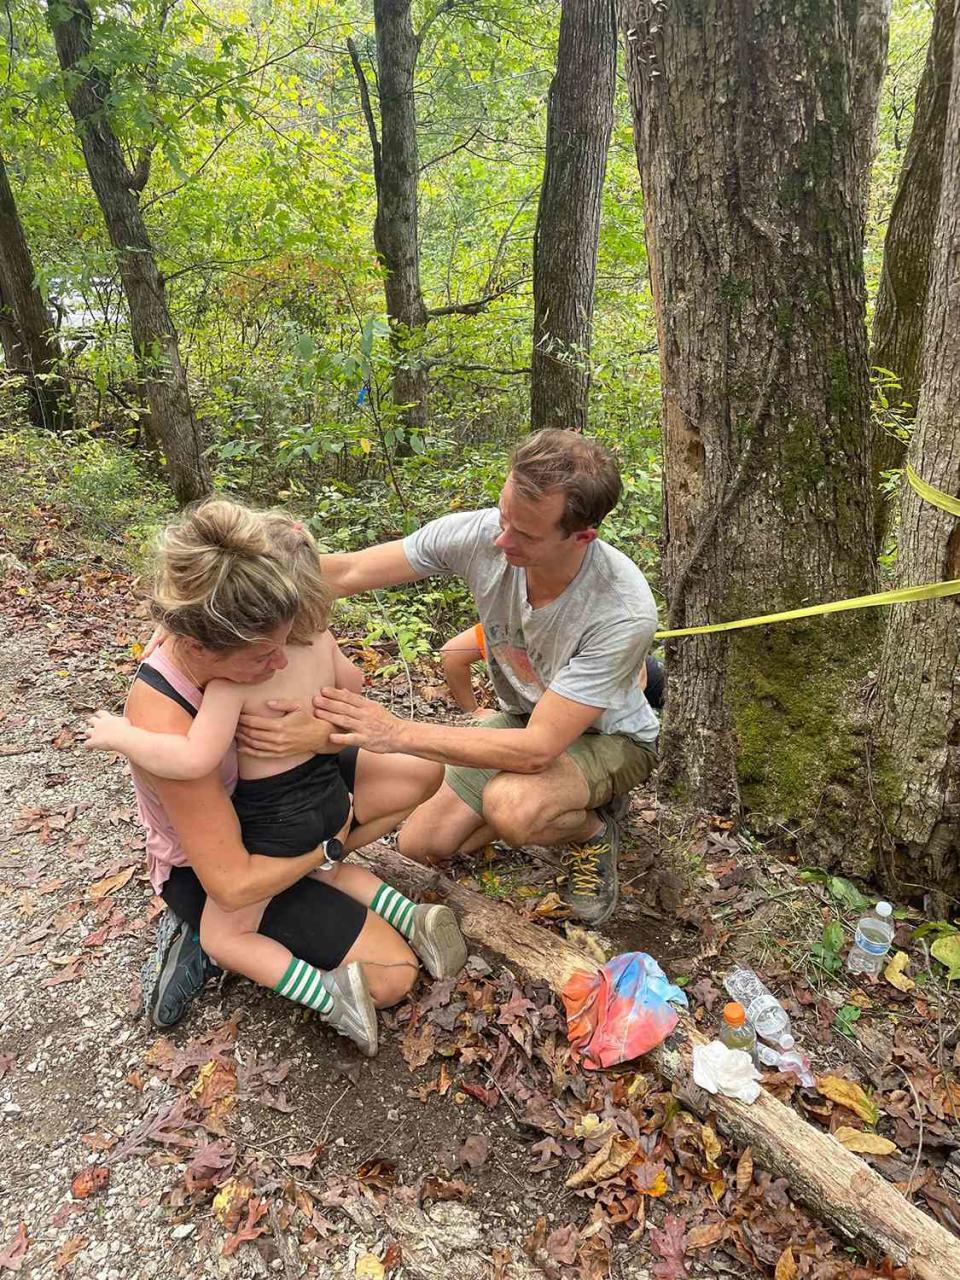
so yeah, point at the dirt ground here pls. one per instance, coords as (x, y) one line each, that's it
(252, 1141)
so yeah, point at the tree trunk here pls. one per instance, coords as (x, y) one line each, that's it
(837, 1185)
(918, 773)
(747, 152)
(30, 344)
(579, 120)
(154, 336)
(902, 297)
(395, 232)
(873, 35)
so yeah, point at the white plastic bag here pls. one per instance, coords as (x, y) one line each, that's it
(728, 1071)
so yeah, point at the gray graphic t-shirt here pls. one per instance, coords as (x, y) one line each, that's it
(587, 645)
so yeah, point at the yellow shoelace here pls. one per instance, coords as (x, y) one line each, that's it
(582, 862)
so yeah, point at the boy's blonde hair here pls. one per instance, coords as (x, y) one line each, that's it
(218, 579)
(292, 543)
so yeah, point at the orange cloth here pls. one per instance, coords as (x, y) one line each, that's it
(480, 639)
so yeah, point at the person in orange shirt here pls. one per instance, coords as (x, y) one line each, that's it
(459, 655)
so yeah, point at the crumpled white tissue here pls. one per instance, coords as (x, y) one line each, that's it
(728, 1071)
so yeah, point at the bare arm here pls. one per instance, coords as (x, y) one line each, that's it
(553, 725)
(206, 823)
(174, 755)
(383, 566)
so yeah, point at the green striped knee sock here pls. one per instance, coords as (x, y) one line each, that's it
(301, 983)
(395, 909)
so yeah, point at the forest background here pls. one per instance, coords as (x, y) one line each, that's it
(255, 161)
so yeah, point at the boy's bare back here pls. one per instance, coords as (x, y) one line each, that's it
(308, 669)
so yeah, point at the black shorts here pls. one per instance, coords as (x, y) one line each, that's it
(293, 812)
(312, 919)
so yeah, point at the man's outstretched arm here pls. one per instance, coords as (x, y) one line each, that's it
(555, 723)
(385, 565)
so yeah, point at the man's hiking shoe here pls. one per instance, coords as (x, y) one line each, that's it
(437, 940)
(591, 887)
(175, 973)
(353, 1013)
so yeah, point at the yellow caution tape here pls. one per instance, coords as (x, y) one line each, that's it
(902, 595)
(935, 496)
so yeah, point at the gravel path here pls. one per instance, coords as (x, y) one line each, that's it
(79, 1067)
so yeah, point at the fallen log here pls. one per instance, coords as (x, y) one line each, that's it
(837, 1185)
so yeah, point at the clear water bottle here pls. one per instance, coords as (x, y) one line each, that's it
(735, 1032)
(764, 1011)
(872, 940)
(788, 1059)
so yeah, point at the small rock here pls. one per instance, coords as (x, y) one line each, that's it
(185, 1229)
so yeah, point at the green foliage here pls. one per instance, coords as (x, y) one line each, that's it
(826, 952)
(847, 1016)
(91, 486)
(844, 892)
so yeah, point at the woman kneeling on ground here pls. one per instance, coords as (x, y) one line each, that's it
(258, 886)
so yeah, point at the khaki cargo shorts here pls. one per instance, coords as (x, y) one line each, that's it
(611, 763)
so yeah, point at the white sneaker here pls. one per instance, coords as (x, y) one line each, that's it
(353, 1014)
(437, 940)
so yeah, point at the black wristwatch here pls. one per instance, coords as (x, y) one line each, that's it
(334, 850)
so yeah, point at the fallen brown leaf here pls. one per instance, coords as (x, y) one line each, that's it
(849, 1095)
(474, 1151)
(786, 1265)
(110, 884)
(11, 1258)
(68, 1251)
(434, 1187)
(705, 1236)
(870, 1144)
(615, 1154)
(894, 972)
(745, 1171)
(89, 1181)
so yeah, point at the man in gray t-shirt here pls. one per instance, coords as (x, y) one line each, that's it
(568, 621)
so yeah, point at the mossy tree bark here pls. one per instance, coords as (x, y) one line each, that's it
(902, 296)
(30, 344)
(579, 121)
(747, 148)
(919, 685)
(116, 188)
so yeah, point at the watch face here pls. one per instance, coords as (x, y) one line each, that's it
(334, 850)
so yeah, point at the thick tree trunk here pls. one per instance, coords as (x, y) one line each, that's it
(919, 721)
(579, 120)
(154, 336)
(30, 345)
(747, 153)
(873, 35)
(902, 297)
(395, 233)
(838, 1186)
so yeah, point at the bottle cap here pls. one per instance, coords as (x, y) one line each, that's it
(734, 1014)
(884, 909)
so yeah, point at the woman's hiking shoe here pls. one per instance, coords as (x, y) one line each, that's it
(353, 1013)
(437, 940)
(591, 887)
(175, 973)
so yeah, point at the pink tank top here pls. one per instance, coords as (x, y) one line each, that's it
(163, 844)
